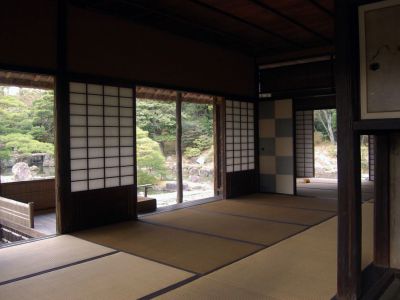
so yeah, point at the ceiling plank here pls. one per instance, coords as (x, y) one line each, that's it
(291, 20)
(322, 8)
(250, 24)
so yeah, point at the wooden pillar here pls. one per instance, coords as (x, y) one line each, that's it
(179, 176)
(349, 186)
(382, 201)
(63, 205)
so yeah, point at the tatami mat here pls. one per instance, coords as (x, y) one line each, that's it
(26, 259)
(118, 276)
(291, 201)
(198, 253)
(238, 228)
(302, 267)
(272, 213)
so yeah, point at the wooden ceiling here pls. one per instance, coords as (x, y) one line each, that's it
(256, 27)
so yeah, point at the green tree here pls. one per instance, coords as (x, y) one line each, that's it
(14, 116)
(43, 118)
(150, 160)
(325, 122)
(22, 144)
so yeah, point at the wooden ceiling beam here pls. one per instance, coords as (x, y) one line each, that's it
(291, 20)
(247, 23)
(322, 8)
(233, 38)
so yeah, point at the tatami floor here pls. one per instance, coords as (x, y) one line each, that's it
(259, 246)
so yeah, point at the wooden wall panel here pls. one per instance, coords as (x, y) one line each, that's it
(105, 46)
(41, 192)
(28, 33)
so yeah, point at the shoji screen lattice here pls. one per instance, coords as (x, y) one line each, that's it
(239, 136)
(101, 136)
(305, 144)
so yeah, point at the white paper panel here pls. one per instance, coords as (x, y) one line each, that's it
(96, 173)
(112, 182)
(228, 103)
(96, 152)
(95, 121)
(95, 100)
(126, 151)
(111, 131)
(77, 142)
(95, 89)
(96, 184)
(111, 141)
(112, 161)
(112, 172)
(127, 180)
(126, 161)
(113, 151)
(78, 153)
(77, 121)
(126, 131)
(126, 141)
(111, 111)
(77, 99)
(76, 109)
(111, 101)
(79, 186)
(126, 171)
(95, 131)
(75, 87)
(110, 90)
(95, 110)
(79, 175)
(78, 164)
(229, 169)
(111, 121)
(77, 131)
(126, 92)
(96, 163)
(125, 112)
(126, 121)
(126, 102)
(96, 142)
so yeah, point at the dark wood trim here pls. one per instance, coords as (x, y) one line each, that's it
(300, 93)
(294, 148)
(315, 103)
(133, 206)
(291, 20)
(217, 147)
(382, 201)
(322, 8)
(375, 280)
(371, 126)
(223, 148)
(179, 175)
(91, 78)
(28, 69)
(349, 174)
(246, 22)
(64, 207)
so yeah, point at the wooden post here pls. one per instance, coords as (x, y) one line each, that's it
(179, 176)
(349, 177)
(382, 201)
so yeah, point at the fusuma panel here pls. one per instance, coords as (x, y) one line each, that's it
(304, 144)
(276, 146)
(239, 136)
(101, 136)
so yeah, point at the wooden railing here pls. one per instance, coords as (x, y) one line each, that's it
(18, 213)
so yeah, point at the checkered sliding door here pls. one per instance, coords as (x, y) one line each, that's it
(276, 146)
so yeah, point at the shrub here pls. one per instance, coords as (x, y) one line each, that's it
(192, 152)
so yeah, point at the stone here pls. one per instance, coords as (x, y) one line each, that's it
(21, 171)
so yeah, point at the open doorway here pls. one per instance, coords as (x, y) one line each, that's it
(27, 164)
(158, 160)
(316, 156)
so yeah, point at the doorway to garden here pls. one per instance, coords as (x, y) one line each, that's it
(27, 163)
(316, 155)
(175, 146)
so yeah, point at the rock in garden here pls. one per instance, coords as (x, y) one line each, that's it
(21, 171)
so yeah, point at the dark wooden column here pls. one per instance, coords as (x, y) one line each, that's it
(382, 201)
(349, 191)
(63, 205)
(179, 176)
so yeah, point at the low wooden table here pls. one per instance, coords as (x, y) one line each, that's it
(146, 205)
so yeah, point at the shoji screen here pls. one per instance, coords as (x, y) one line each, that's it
(101, 136)
(239, 136)
(305, 143)
(371, 157)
